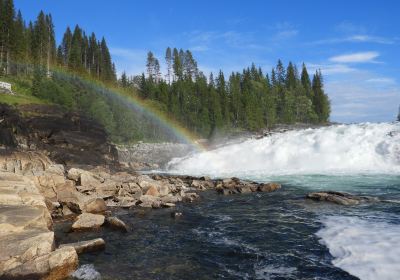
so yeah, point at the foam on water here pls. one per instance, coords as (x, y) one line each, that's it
(86, 272)
(339, 149)
(367, 249)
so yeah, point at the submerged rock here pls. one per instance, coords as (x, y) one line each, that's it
(341, 198)
(176, 214)
(269, 187)
(236, 186)
(116, 223)
(86, 246)
(88, 221)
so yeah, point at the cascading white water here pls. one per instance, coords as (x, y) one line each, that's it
(348, 149)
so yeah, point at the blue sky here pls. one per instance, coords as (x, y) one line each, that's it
(354, 43)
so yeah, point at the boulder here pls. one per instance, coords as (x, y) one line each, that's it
(152, 191)
(95, 205)
(87, 221)
(341, 198)
(168, 204)
(107, 189)
(71, 198)
(163, 189)
(269, 187)
(86, 246)
(124, 202)
(62, 262)
(190, 197)
(116, 223)
(149, 201)
(75, 174)
(55, 265)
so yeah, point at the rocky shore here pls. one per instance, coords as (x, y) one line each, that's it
(35, 192)
(56, 166)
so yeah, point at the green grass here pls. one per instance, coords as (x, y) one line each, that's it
(21, 86)
(18, 99)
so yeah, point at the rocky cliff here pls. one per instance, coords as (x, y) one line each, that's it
(67, 138)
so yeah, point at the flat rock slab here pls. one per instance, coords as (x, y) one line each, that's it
(87, 221)
(86, 246)
(18, 218)
(24, 246)
(341, 198)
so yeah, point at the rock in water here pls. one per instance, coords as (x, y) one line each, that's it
(86, 246)
(88, 221)
(176, 214)
(269, 187)
(341, 198)
(116, 223)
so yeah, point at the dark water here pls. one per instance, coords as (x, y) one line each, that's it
(252, 236)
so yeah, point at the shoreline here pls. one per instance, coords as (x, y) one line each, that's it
(86, 197)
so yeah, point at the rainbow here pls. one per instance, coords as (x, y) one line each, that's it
(183, 134)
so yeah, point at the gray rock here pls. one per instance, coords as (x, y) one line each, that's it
(341, 198)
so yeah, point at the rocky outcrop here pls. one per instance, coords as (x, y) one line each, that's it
(144, 156)
(341, 198)
(86, 246)
(26, 240)
(67, 138)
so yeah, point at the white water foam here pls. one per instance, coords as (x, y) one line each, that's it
(369, 250)
(86, 272)
(350, 149)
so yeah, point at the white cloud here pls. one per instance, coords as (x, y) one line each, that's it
(356, 38)
(369, 39)
(199, 48)
(381, 80)
(284, 30)
(355, 57)
(353, 100)
(329, 69)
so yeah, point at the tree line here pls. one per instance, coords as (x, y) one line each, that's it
(247, 100)
(23, 46)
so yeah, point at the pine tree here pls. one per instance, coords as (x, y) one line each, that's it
(40, 40)
(305, 81)
(177, 65)
(66, 45)
(75, 53)
(93, 56)
(124, 80)
(51, 44)
(320, 99)
(106, 70)
(168, 62)
(290, 81)
(19, 52)
(7, 14)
